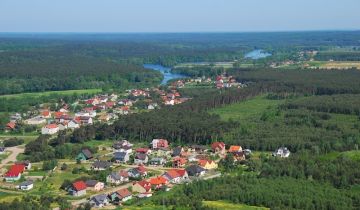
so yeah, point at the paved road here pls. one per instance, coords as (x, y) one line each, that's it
(15, 151)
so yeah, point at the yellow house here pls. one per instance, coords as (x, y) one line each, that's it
(208, 164)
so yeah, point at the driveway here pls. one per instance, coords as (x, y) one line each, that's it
(15, 151)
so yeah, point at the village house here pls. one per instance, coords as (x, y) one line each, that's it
(2, 150)
(158, 182)
(117, 177)
(175, 176)
(121, 157)
(78, 188)
(282, 152)
(73, 124)
(239, 156)
(157, 161)
(162, 152)
(63, 126)
(14, 173)
(84, 155)
(159, 144)
(15, 117)
(218, 147)
(26, 185)
(137, 172)
(49, 129)
(143, 151)
(141, 158)
(177, 151)
(208, 164)
(195, 170)
(99, 201)
(121, 195)
(100, 165)
(234, 148)
(26, 163)
(198, 148)
(94, 185)
(85, 120)
(142, 187)
(10, 126)
(46, 114)
(179, 162)
(122, 146)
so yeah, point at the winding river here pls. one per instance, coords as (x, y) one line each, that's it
(165, 71)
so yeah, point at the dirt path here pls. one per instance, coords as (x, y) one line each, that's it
(15, 151)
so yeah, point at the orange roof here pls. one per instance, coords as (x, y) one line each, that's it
(51, 126)
(158, 180)
(11, 125)
(181, 160)
(235, 148)
(45, 113)
(173, 173)
(58, 114)
(181, 172)
(218, 145)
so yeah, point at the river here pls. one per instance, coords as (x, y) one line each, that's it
(165, 71)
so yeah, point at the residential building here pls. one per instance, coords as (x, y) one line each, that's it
(100, 165)
(94, 185)
(208, 164)
(27, 185)
(84, 155)
(159, 143)
(78, 188)
(99, 201)
(121, 157)
(282, 152)
(142, 187)
(141, 158)
(49, 129)
(195, 170)
(14, 173)
(218, 147)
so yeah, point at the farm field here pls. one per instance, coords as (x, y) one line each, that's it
(334, 64)
(230, 206)
(49, 93)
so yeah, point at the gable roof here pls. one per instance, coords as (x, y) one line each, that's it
(99, 199)
(177, 151)
(123, 193)
(158, 180)
(87, 153)
(172, 174)
(15, 170)
(26, 183)
(218, 145)
(235, 148)
(91, 183)
(79, 185)
(51, 126)
(203, 162)
(194, 169)
(120, 155)
(11, 125)
(140, 156)
(101, 164)
(142, 150)
(145, 184)
(141, 169)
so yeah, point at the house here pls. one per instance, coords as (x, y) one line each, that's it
(157, 161)
(282, 152)
(195, 170)
(172, 176)
(49, 129)
(99, 201)
(63, 126)
(141, 158)
(15, 117)
(121, 195)
(218, 147)
(27, 185)
(162, 152)
(179, 162)
(14, 173)
(94, 185)
(121, 157)
(46, 114)
(159, 143)
(239, 156)
(137, 172)
(208, 164)
(84, 155)
(234, 148)
(86, 120)
(143, 151)
(104, 117)
(142, 187)
(100, 165)
(122, 146)
(73, 124)
(78, 188)
(10, 126)
(177, 151)
(198, 148)
(117, 177)
(158, 182)
(26, 163)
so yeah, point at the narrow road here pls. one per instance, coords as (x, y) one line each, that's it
(15, 151)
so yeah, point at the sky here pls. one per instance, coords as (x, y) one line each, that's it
(178, 15)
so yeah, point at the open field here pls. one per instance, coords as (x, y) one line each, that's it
(230, 206)
(354, 155)
(48, 93)
(334, 64)
(246, 109)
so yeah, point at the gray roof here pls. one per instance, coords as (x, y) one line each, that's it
(99, 199)
(194, 169)
(91, 183)
(177, 151)
(26, 183)
(2, 149)
(115, 175)
(87, 153)
(120, 155)
(101, 164)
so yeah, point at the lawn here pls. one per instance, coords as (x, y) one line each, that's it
(246, 109)
(353, 154)
(7, 197)
(48, 93)
(230, 206)
(334, 64)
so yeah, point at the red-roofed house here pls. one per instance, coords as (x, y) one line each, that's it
(208, 164)
(143, 150)
(10, 126)
(158, 182)
(218, 147)
(78, 188)
(142, 187)
(46, 114)
(49, 129)
(14, 173)
(160, 144)
(234, 148)
(179, 162)
(176, 176)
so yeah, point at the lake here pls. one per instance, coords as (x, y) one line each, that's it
(257, 54)
(165, 71)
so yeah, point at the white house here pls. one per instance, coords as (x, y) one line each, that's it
(282, 152)
(27, 185)
(73, 124)
(50, 129)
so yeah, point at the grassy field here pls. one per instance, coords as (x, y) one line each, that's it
(7, 197)
(48, 93)
(354, 155)
(334, 64)
(247, 109)
(230, 206)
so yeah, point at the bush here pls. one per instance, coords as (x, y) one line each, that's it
(13, 142)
